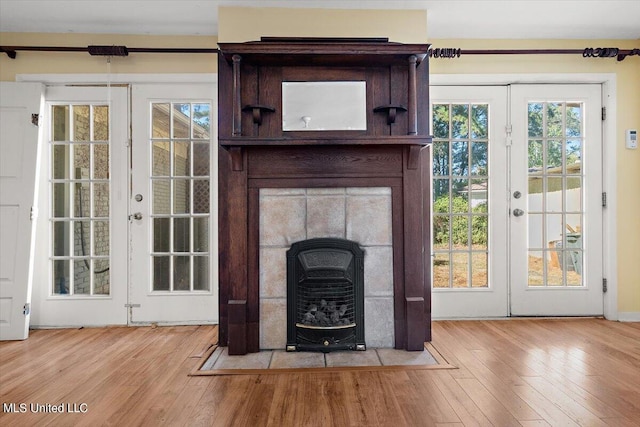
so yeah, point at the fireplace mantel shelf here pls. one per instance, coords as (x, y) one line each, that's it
(240, 141)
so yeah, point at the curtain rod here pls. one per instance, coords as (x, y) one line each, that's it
(11, 51)
(589, 52)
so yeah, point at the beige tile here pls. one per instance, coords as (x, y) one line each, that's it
(352, 358)
(273, 323)
(325, 216)
(390, 356)
(378, 322)
(378, 271)
(368, 190)
(273, 273)
(296, 359)
(282, 192)
(258, 360)
(282, 220)
(325, 191)
(369, 220)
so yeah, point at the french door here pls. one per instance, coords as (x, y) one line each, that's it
(470, 209)
(83, 209)
(556, 200)
(516, 216)
(173, 217)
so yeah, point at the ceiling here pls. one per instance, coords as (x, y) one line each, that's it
(514, 19)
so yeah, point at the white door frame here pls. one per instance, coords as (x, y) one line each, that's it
(609, 101)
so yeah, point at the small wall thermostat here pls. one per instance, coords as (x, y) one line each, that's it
(632, 139)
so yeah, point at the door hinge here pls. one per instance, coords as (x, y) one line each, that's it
(604, 113)
(33, 213)
(508, 129)
(604, 285)
(35, 119)
(604, 199)
(26, 309)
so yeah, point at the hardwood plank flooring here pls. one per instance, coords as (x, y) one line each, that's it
(518, 372)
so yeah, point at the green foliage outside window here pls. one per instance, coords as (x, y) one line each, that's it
(459, 226)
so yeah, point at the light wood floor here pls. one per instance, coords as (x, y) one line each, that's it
(511, 373)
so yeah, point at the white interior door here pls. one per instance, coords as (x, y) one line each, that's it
(469, 212)
(556, 200)
(82, 257)
(20, 142)
(174, 204)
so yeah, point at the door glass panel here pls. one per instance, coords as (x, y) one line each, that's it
(160, 122)
(161, 158)
(181, 120)
(201, 121)
(161, 273)
(201, 273)
(81, 120)
(460, 195)
(81, 249)
(101, 123)
(81, 160)
(181, 159)
(82, 277)
(101, 276)
(161, 194)
(181, 233)
(181, 213)
(100, 161)
(555, 193)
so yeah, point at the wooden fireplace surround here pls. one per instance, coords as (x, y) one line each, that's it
(255, 153)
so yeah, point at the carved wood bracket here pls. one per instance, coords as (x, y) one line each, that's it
(257, 110)
(391, 110)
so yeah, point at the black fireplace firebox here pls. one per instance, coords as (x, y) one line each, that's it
(325, 295)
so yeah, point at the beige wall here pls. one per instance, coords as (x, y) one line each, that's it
(238, 24)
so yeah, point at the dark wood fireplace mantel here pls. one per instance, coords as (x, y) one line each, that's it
(255, 152)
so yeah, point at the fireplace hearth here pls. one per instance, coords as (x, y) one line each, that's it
(325, 295)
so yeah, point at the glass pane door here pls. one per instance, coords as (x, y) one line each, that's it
(469, 226)
(174, 204)
(555, 198)
(84, 206)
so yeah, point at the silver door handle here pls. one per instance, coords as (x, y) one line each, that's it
(518, 212)
(137, 215)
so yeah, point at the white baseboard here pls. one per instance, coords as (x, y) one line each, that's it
(629, 316)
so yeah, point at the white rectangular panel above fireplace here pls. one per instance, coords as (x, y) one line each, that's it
(360, 214)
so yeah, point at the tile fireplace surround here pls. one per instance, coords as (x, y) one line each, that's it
(363, 215)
